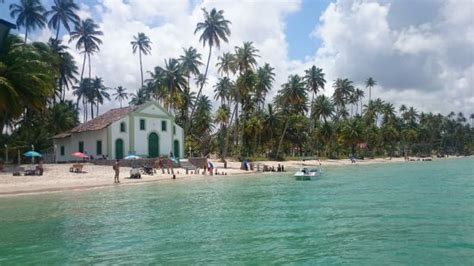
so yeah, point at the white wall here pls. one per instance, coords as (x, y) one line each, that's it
(71, 144)
(153, 110)
(166, 138)
(116, 134)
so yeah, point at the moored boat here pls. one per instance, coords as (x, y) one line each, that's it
(308, 173)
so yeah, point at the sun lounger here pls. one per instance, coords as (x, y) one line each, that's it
(76, 168)
(17, 171)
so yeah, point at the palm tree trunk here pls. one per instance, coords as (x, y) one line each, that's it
(89, 58)
(57, 32)
(226, 141)
(141, 66)
(92, 110)
(282, 136)
(26, 34)
(202, 84)
(370, 93)
(311, 122)
(236, 128)
(83, 66)
(97, 109)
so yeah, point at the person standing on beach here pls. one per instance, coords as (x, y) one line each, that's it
(116, 168)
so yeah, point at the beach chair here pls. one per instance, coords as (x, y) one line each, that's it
(18, 170)
(76, 168)
(30, 170)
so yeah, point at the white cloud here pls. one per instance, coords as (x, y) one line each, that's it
(421, 58)
(428, 64)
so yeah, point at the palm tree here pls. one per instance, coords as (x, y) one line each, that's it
(67, 67)
(62, 12)
(83, 92)
(29, 14)
(100, 94)
(120, 94)
(265, 78)
(226, 64)
(245, 57)
(174, 80)
(26, 81)
(292, 101)
(86, 34)
(272, 120)
(190, 62)
(142, 43)
(343, 89)
(214, 29)
(323, 108)
(370, 83)
(222, 89)
(359, 94)
(202, 126)
(140, 97)
(314, 78)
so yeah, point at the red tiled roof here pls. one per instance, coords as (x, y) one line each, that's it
(100, 122)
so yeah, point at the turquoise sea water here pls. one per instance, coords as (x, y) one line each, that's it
(407, 213)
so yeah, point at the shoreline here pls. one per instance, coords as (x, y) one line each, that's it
(57, 178)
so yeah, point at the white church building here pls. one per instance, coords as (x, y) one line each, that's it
(146, 130)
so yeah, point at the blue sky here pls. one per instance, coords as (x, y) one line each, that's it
(299, 27)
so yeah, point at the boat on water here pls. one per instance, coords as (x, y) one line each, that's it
(308, 174)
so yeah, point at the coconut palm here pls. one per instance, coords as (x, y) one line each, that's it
(26, 81)
(294, 95)
(343, 89)
(245, 57)
(141, 43)
(226, 64)
(29, 14)
(67, 67)
(272, 120)
(86, 33)
(265, 78)
(314, 78)
(214, 29)
(370, 83)
(120, 94)
(202, 117)
(190, 62)
(292, 100)
(359, 94)
(83, 92)
(323, 108)
(222, 89)
(140, 97)
(100, 94)
(174, 80)
(62, 12)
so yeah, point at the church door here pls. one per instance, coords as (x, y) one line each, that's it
(119, 149)
(153, 146)
(176, 149)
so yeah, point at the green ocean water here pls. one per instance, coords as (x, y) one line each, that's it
(408, 213)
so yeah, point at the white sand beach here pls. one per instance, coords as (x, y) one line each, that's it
(56, 177)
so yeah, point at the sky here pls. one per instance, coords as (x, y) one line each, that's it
(420, 52)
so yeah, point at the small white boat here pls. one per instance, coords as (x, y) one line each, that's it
(307, 173)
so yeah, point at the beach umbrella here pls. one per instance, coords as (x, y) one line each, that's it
(32, 154)
(79, 155)
(131, 157)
